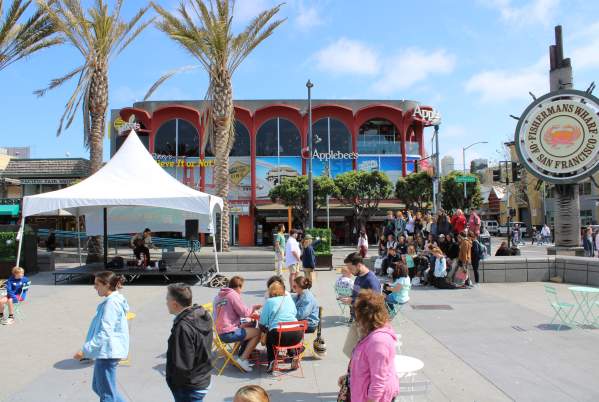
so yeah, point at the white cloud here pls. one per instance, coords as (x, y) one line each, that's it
(411, 66)
(452, 131)
(346, 56)
(505, 85)
(307, 17)
(535, 11)
(245, 10)
(586, 54)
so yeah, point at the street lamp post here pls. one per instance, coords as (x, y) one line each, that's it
(309, 85)
(464, 163)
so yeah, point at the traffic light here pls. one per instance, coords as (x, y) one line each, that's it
(515, 171)
(497, 174)
(416, 166)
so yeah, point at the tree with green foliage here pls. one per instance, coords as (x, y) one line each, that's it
(20, 37)
(205, 29)
(415, 189)
(98, 33)
(363, 191)
(293, 192)
(453, 192)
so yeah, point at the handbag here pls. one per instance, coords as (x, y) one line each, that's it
(351, 340)
(344, 391)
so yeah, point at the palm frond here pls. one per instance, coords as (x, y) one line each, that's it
(19, 40)
(168, 75)
(98, 33)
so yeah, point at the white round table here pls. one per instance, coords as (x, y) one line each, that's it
(407, 365)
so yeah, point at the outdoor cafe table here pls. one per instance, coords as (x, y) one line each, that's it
(585, 299)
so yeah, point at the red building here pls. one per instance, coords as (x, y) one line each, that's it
(269, 140)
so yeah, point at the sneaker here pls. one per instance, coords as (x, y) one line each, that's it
(8, 321)
(295, 363)
(244, 364)
(270, 367)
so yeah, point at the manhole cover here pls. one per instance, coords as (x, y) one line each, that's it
(431, 307)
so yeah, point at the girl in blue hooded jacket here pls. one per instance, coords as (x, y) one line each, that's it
(107, 339)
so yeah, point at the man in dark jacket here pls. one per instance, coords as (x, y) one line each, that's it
(189, 354)
(389, 261)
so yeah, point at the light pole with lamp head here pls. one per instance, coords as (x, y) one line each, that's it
(464, 163)
(309, 85)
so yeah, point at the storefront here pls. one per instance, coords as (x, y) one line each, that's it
(36, 176)
(270, 144)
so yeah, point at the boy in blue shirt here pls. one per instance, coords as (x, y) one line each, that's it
(14, 294)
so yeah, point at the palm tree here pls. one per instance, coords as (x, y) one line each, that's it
(204, 29)
(98, 34)
(19, 40)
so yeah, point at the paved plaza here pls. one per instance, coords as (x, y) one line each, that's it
(490, 343)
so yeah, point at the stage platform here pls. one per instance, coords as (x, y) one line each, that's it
(202, 273)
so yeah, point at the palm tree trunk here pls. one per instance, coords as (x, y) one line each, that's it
(222, 112)
(98, 103)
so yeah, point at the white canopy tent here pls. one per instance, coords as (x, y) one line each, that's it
(132, 178)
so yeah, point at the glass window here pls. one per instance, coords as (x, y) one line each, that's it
(584, 188)
(290, 142)
(241, 147)
(586, 217)
(177, 137)
(166, 138)
(278, 137)
(330, 134)
(379, 136)
(189, 140)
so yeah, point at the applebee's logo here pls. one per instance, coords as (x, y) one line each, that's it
(558, 136)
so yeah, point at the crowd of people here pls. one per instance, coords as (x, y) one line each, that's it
(438, 251)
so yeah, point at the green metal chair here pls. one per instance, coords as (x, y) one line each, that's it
(340, 293)
(18, 312)
(563, 310)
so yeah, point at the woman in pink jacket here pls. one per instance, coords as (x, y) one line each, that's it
(228, 312)
(371, 375)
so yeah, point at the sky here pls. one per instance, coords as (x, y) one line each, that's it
(473, 60)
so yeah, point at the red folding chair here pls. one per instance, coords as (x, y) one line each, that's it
(279, 349)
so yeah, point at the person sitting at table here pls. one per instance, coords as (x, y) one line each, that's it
(305, 303)
(229, 309)
(270, 281)
(278, 308)
(141, 244)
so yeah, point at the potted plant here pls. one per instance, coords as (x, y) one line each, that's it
(8, 253)
(322, 247)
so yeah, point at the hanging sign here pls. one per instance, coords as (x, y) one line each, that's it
(557, 137)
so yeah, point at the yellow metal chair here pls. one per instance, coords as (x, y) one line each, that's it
(225, 350)
(127, 361)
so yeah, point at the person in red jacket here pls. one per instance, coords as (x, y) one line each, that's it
(458, 222)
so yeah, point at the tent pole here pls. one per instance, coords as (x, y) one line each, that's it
(20, 240)
(221, 232)
(78, 238)
(105, 238)
(215, 253)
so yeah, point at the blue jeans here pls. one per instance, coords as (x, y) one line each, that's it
(189, 395)
(104, 380)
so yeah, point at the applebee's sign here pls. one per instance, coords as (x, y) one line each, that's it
(557, 137)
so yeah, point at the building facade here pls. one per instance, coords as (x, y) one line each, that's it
(447, 165)
(22, 177)
(271, 144)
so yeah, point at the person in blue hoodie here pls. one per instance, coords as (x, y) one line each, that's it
(15, 293)
(107, 339)
(305, 303)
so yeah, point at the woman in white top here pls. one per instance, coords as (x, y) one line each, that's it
(363, 243)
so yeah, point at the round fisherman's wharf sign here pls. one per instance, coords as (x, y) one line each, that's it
(557, 137)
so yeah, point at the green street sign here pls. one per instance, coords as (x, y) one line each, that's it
(465, 179)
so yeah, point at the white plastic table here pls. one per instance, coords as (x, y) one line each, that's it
(405, 365)
(585, 299)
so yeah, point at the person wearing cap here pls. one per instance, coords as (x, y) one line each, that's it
(308, 258)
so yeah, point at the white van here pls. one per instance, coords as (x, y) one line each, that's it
(492, 227)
